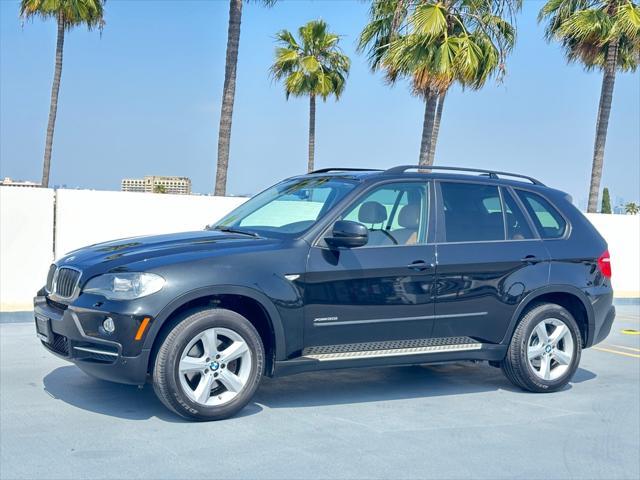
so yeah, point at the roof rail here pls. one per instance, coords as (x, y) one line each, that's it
(489, 173)
(326, 170)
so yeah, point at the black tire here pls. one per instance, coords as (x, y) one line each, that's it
(166, 379)
(516, 365)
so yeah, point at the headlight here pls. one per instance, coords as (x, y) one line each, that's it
(124, 286)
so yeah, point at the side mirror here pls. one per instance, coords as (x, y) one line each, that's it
(348, 234)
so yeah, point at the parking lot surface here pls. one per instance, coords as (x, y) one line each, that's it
(447, 421)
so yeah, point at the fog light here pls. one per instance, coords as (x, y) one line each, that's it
(108, 325)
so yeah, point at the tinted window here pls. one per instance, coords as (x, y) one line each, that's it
(394, 214)
(472, 212)
(548, 221)
(517, 225)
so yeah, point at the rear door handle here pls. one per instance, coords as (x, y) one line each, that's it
(420, 265)
(531, 259)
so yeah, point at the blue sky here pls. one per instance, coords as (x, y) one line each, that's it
(144, 98)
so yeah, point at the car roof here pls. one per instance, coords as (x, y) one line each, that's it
(434, 172)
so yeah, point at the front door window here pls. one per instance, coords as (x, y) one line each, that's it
(394, 214)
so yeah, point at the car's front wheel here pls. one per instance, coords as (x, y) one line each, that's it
(209, 366)
(545, 349)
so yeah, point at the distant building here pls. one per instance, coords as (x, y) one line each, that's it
(132, 185)
(8, 182)
(156, 184)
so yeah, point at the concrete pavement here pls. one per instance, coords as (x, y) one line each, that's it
(447, 421)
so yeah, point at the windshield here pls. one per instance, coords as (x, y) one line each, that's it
(288, 208)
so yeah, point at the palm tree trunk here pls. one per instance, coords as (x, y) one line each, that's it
(53, 107)
(436, 129)
(228, 94)
(604, 110)
(427, 126)
(312, 132)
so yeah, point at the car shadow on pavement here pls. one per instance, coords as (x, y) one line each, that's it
(334, 387)
(388, 383)
(70, 385)
(331, 387)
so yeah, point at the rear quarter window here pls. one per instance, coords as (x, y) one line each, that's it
(547, 219)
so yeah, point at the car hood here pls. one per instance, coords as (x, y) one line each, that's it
(152, 249)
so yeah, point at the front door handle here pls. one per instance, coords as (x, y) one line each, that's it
(420, 265)
(532, 259)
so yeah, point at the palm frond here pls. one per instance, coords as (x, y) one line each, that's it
(310, 64)
(287, 38)
(294, 84)
(429, 20)
(592, 25)
(627, 21)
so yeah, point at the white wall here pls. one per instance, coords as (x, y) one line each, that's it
(84, 217)
(26, 243)
(622, 233)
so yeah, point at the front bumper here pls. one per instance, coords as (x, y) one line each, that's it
(75, 334)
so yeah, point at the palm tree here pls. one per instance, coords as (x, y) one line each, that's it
(314, 65)
(631, 208)
(603, 35)
(438, 43)
(229, 92)
(68, 14)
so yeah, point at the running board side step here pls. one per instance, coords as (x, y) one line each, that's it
(394, 352)
(397, 348)
(390, 353)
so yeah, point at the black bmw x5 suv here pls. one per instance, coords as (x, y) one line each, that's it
(335, 269)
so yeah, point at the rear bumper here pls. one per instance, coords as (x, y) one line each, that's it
(66, 334)
(603, 326)
(600, 312)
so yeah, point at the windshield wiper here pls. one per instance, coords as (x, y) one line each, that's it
(224, 228)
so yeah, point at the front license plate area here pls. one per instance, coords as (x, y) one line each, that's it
(43, 329)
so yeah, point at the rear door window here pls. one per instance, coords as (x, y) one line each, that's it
(472, 212)
(546, 218)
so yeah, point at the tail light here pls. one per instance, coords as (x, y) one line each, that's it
(604, 264)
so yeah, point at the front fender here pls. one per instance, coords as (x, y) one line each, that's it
(202, 292)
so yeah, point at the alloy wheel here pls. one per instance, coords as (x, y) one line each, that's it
(550, 349)
(215, 366)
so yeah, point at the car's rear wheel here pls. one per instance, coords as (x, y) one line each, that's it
(545, 349)
(209, 366)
